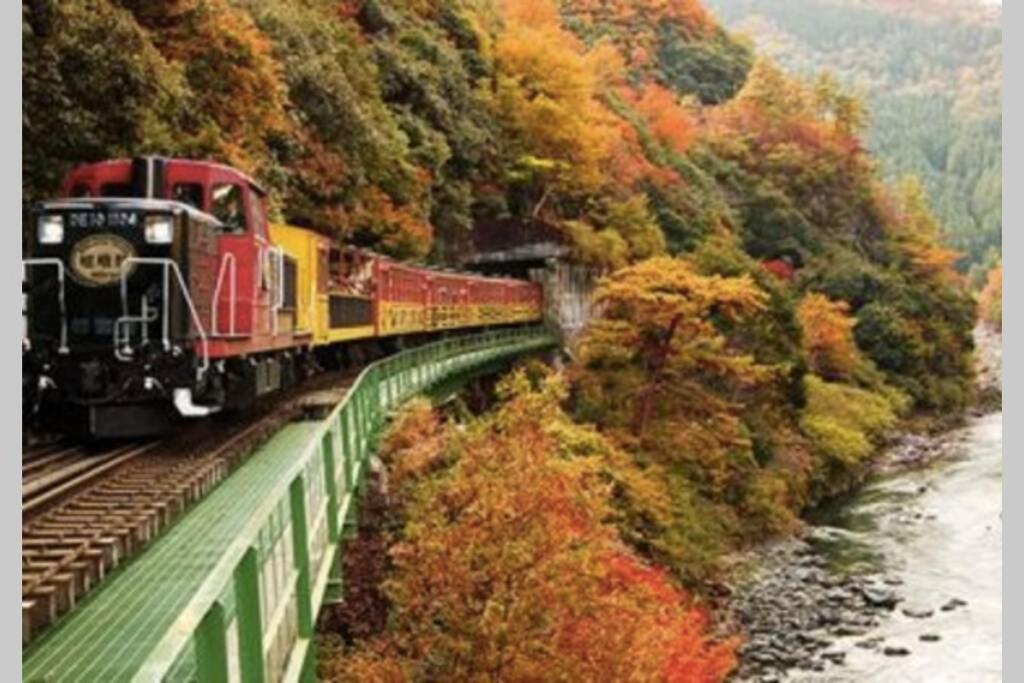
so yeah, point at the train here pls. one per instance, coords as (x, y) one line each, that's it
(157, 289)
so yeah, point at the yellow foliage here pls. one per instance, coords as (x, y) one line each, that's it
(828, 336)
(917, 232)
(663, 379)
(547, 88)
(990, 302)
(412, 445)
(842, 421)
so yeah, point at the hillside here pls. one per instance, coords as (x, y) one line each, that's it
(638, 128)
(932, 75)
(771, 307)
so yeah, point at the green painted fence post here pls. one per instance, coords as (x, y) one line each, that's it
(390, 383)
(330, 468)
(364, 399)
(357, 411)
(212, 647)
(250, 626)
(373, 389)
(348, 453)
(300, 551)
(308, 674)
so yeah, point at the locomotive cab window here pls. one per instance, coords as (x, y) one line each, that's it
(189, 193)
(227, 207)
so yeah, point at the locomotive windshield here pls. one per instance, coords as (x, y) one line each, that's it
(227, 207)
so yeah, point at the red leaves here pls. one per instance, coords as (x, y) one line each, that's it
(780, 269)
(507, 569)
(643, 616)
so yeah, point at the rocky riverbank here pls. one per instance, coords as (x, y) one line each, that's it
(801, 616)
(807, 604)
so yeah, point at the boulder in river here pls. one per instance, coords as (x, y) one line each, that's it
(953, 604)
(930, 637)
(895, 651)
(918, 613)
(870, 643)
(878, 597)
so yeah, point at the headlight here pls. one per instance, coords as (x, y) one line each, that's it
(159, 229)
(50, 229)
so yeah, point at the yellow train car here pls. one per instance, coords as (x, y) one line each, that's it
(345, 294)
(334, 287)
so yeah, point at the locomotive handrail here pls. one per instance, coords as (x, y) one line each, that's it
(320, 486)
(59, 265)
(168, 267)
(225, 263)
(277, 294)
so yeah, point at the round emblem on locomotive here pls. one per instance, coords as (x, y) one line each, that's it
(96, 261)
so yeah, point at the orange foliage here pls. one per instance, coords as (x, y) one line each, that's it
(413, 445)
(229, 63)
(662, 375)
(828, 336)
(637, 28)
(508, 570)
(666, 119)
(916, 232)
(401, 230)
(990, 302)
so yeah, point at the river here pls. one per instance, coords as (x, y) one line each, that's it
(936, 531)
(900, 582)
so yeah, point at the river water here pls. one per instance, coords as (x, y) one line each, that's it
(936, 534)
(902, 581)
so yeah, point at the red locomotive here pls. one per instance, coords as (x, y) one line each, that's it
(158, 289)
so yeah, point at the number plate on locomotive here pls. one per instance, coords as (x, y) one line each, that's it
(100, 219)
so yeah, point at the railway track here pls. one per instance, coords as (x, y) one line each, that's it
(84, 513)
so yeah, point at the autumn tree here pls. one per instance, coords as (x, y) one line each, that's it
(657, 325)
(666, 117)
(828, 336)
(546, 89)
(237, 84)
(663, 371)
(346, 168)
(990, 301)
(507, 570)
(916, 235)
(79, 58)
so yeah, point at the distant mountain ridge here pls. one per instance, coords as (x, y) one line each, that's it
(931, 72)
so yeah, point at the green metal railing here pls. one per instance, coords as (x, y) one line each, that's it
(253, 618)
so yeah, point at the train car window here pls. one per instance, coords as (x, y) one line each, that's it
(189, 193)
(335, 266)
(115, 190)
(226, 206)
(81, 190)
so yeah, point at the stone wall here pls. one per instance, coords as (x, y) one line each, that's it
(567, 291)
